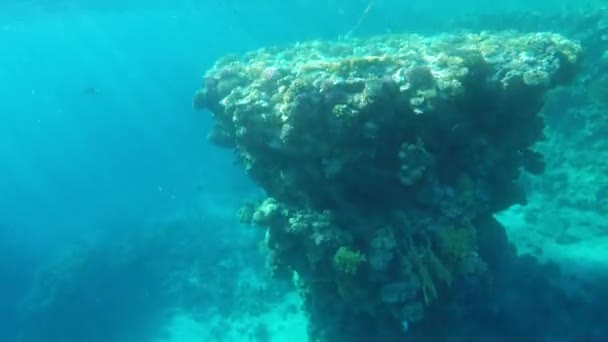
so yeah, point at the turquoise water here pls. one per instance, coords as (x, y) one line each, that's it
(118, 217)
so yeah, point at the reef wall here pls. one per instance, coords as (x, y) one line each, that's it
(384, 160)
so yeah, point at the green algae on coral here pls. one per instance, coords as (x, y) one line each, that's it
(348, 260)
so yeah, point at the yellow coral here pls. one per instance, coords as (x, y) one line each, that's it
(348, 260)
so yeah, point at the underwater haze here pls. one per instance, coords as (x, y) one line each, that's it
(338, 170)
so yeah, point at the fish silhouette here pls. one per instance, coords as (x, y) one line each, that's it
(90, 91)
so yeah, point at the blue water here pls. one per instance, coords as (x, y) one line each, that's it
(77, 166)
(99, 143)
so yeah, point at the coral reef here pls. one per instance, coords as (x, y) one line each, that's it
(384, 160)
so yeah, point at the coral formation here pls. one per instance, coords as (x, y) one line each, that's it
(348, 261)
(384, 160)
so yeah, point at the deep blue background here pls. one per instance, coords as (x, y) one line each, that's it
(77, 166)
(74, 164)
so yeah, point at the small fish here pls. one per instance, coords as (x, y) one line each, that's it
(90, 91)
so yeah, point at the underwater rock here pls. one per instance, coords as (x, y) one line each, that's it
(384, 160)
